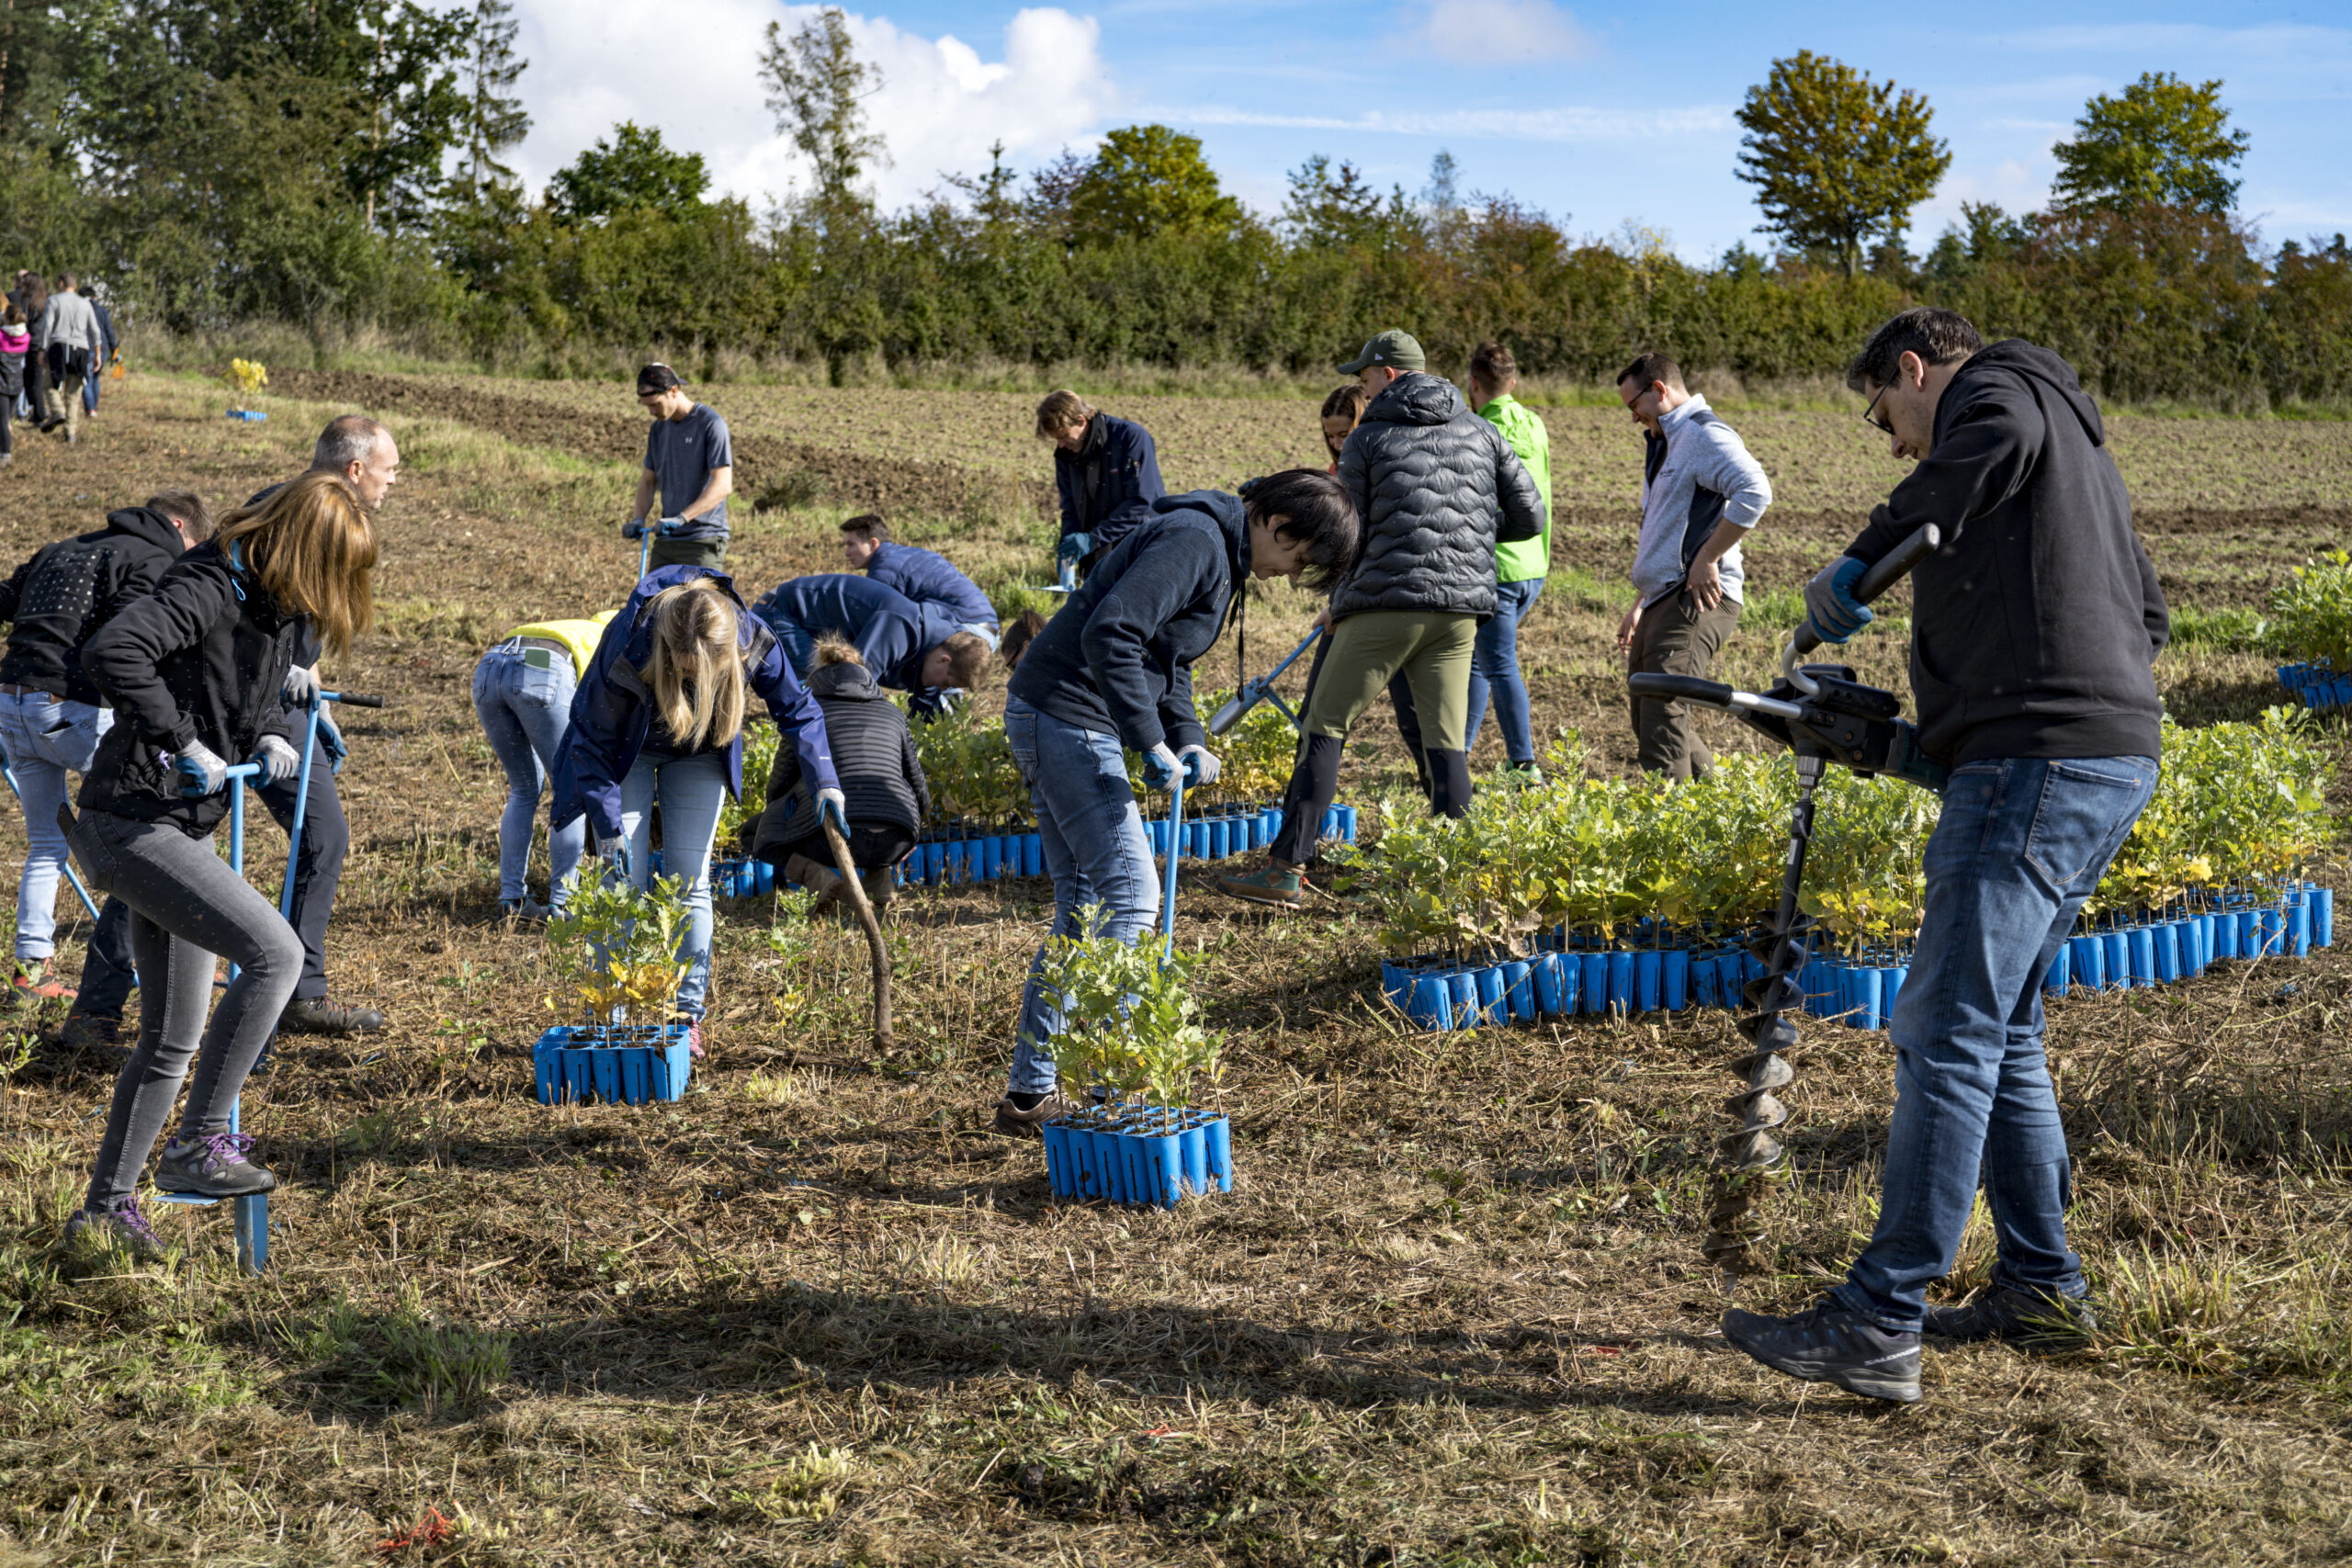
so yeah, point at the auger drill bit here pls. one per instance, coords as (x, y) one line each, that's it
(1750, 1157)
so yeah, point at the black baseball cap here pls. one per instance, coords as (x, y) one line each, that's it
(657, 378)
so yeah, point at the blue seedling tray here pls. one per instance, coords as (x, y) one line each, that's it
(1440, 993)
(620, 1064)
(956, 858)
(2320, 685)
(1139, 1155)
(247, 416)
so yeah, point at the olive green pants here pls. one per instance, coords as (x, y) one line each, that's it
(1432, 651)
(711, 553)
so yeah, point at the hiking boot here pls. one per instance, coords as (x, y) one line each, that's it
(525, 911)
(2025, 1318)
(1016, 1122)
(316, 1015)
(93, 1032)
(1829, 1343)
(212, 1167)
(119, 1229)
(35, 982)
(1277, 885)
(1521, 775)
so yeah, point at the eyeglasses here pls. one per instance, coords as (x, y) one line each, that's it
(1870, 413)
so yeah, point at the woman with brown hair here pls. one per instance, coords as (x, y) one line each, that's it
(195, 672)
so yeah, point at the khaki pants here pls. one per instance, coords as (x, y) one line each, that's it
(66, 403)
(1431, 649)
(1676, 638)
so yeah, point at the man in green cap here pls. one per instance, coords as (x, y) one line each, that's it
(1435, 488)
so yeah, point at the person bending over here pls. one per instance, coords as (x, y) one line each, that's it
(1113, 669)
(923, 649)
(194, 671)
(52, 717)
(1437, 487)
(1107, 472)
(658, 721)
(924, 576)
(2033, 633)
(522, 691)
(874, 756)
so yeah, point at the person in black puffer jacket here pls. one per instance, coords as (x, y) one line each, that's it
(1437, 488)
(874, 751)
(52, 719)
(196, 672)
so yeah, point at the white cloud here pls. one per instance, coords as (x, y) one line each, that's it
(1501, 32)
(690, 67)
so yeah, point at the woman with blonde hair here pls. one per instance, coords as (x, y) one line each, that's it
(195, 672)
(659, 719)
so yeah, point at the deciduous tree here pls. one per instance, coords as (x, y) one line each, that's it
(634, 170)
(1146, 180)
(1837, 160)
(2158, 140)
(817, 90)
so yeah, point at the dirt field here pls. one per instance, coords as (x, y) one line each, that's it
(1453, 1312)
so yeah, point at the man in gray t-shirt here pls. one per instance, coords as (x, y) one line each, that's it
(691, 463)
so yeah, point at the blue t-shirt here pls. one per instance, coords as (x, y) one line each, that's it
(682, 453)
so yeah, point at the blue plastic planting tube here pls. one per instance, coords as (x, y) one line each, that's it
(1545, 970)
(1619, 967)
(1466, 998)
(1490, 981)
(1431, 1006)
(2323, 917)
(1519, 990)
(1648, 970)
(1592, 980)
(1677, 978)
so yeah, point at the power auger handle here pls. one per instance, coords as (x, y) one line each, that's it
(1885, 574)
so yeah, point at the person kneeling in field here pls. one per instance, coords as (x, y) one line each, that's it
(1113, 669)
(908, 647)
(2034, 634)
(659, 720)
(195, 672)
(874, 755)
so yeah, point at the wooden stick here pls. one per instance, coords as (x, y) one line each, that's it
(854, 891)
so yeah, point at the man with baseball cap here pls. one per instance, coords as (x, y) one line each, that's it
(1435, 488)
(690, 462)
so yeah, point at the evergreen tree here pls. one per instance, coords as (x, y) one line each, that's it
(817, 90)
(495, 122)
(1838, 161)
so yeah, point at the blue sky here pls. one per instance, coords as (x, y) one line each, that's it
(1603, 117)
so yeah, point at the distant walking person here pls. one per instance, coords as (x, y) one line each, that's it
(1436, 487)
(1701, 494)
(68, 340)
(690, 465)
(107, 343)
(1519, 567)
(15, 344)
(1106, 471)
(32, 298)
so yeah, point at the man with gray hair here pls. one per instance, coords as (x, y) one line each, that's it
(364, 452)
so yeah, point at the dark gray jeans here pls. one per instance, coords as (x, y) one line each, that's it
(185, 906)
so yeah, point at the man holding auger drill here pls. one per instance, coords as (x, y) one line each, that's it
(2033, 632)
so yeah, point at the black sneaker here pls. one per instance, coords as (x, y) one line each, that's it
(316, 1015)
(93, 1032)
(2025, 1318)
(1829, 1343)
(212, 1167)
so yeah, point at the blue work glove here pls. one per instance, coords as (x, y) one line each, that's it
(331, 742)
(612, 855)
(633, 530)
(833, 806)
(1075, 548)
(1830, 606)
(278, 760)
(201, 773)
(1201, 766)
(1161, 767)
(670, 527)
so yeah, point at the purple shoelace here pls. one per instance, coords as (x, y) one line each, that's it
(128, 1215)
(224, 1148)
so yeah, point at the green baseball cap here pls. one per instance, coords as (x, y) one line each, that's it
(1393, 347)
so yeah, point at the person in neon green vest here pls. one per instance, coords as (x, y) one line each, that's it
(1520, 567)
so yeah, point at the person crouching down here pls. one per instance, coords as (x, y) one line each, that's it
(1113, 669)
(522, 691)
(874, 755)
(195, 672)
(659, 719)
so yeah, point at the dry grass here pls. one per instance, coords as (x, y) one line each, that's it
(814, 1313)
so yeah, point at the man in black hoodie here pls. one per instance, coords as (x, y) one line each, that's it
(2034, 630)
(52, 719)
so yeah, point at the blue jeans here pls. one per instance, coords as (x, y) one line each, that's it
(691, 791)
(526, 711)
(1494, 670)
(2020, 844)
(1096, 852)
(45, 739)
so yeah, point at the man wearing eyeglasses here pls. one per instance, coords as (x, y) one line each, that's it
(2033, 633)
(1701, 494)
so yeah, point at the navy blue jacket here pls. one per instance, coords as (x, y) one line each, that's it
(929, 578)
(891, 632)
(1118, 658)
(612, 712)
(1109, 484)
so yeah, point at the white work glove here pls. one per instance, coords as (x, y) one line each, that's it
(832, 807)
(1161, 767)
(201, 773)
(278, 761)
(1201, 766)
(301, 685)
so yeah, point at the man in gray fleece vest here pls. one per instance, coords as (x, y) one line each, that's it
(1701, 494)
